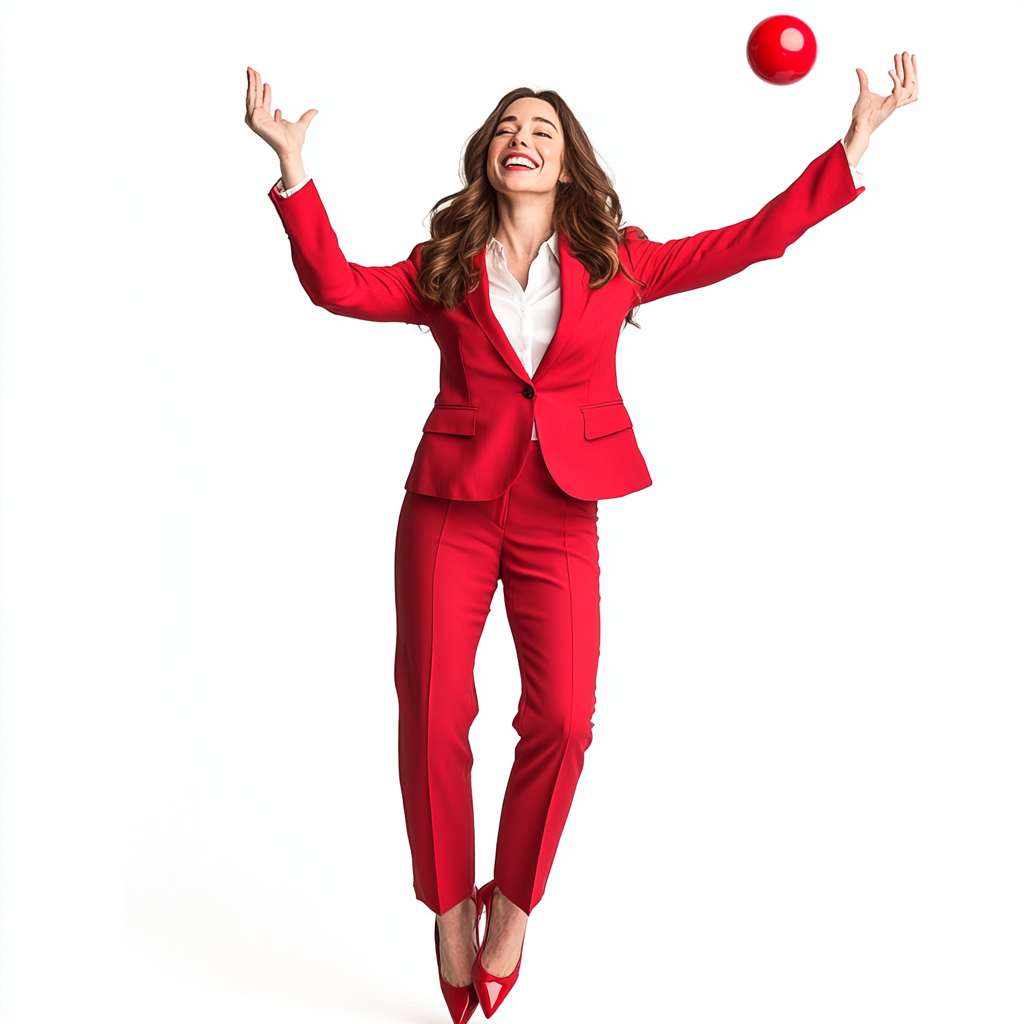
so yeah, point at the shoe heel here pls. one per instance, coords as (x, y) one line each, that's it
(490, 990)
(461, 1000)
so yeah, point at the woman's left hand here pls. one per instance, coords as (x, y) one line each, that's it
(871, 109)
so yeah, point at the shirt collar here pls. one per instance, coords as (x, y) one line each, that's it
(495, 247)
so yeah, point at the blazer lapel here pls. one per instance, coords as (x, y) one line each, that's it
(480, 306)
(575, 293)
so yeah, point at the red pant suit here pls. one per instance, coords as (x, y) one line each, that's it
(485, 503)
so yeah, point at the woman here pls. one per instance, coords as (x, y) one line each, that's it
(525, 283)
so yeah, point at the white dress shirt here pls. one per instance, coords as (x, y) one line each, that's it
(527, 316)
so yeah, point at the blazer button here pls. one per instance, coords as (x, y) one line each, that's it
(528, 392)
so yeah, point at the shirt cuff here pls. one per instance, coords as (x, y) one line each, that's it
(858, 178)
(285, 193)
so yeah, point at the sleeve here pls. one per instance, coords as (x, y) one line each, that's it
(284, 193)
(665, 268)
(366, 293)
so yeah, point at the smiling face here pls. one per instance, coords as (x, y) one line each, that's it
(525, 154)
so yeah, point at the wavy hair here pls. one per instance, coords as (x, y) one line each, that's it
(587, 211)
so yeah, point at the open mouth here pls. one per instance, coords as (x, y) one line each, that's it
(519, 162)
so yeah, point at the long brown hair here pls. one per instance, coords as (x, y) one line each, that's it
(587, 211)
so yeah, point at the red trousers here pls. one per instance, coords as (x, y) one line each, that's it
(449, 556)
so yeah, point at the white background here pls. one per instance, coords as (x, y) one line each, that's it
(803, 800)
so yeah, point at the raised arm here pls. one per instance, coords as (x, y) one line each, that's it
(824, 187)
(368, 293)
(665, 268)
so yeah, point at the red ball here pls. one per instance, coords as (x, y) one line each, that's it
(781, 49)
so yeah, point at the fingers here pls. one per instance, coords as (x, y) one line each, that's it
(905, 78)
(863, 79)
(258, 95)
(898, 80)
(910, 75)
(252, 94)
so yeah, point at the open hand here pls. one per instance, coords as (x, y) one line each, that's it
(286, 137)
(871, 110)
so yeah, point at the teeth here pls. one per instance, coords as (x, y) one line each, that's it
(519, 161)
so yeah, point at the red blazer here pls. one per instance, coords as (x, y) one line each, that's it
(476, 438)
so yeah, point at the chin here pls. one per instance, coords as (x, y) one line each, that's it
(523, 186)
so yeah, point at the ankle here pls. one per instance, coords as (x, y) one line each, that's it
(506, 913)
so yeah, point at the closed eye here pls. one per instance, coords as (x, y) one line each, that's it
(508, 131)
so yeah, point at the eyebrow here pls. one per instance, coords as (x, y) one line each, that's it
(512, 117)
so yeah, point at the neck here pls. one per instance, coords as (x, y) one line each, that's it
(524, 223)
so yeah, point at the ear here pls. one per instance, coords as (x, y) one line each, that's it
(564, 178)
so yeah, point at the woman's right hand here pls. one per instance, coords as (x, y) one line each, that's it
(285, 137)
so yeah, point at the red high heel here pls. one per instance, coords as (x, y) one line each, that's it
(491, 991)
(461, 1000)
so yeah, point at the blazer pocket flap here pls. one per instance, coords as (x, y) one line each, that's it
(606, 418)
(451, 419)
